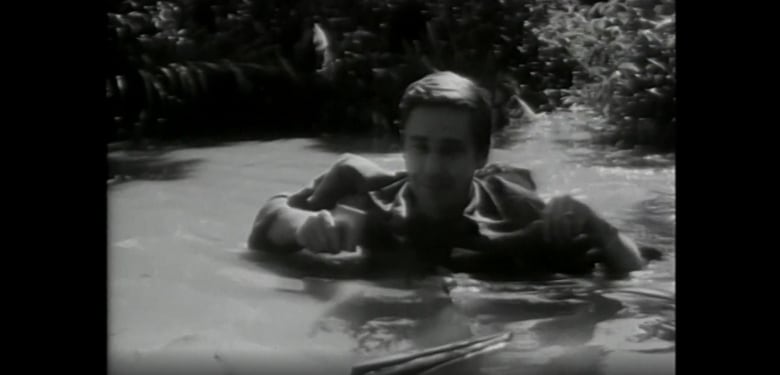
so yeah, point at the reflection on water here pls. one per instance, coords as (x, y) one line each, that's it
(556, 324)
(563, 325)
(179, 269)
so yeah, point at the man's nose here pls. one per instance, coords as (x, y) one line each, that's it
(434, 163)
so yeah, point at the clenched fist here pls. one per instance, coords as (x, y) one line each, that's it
(332, 231)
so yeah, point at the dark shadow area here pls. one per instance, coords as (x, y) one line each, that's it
(393, 271)
(153, 166)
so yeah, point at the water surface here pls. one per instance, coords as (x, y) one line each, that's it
(186, 294)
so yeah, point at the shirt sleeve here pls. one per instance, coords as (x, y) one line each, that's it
(512, 191)
(350, 175)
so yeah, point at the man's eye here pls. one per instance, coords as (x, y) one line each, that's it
(451, 150)
(420, 147)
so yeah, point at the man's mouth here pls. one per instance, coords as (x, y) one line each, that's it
(435, 186)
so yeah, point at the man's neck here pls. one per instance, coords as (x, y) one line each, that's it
(437, 215)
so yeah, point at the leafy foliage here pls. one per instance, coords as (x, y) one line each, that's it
(627, 50)
(207, 66)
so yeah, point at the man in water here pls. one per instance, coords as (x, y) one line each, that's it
(449, 204)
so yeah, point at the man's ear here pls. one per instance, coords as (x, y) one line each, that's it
(484, 157)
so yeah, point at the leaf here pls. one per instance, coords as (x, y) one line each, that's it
(658, 64)
(665, 24)
(650, 35)
(592, 39)
(598, 24)
(598, 71)
(629, 66)
(173, 79)
(655, 92)
(623, 17)
(601, 7)
(202, 80)
(186, 81)
(670, 43)
(139, 15)
(363, 34)
(162, 95)
(614, 29)
(213, 66)
(121, 84)
(191, 73)
(549, 41)
(288, 67)
(151, 100)
(616, 75)
(616, 8)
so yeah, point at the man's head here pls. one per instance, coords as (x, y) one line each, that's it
(446, 123)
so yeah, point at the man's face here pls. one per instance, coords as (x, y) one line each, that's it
(440, 158)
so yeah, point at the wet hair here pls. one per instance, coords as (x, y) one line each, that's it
(449, 89)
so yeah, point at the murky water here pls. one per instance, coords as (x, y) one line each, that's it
(186, 294)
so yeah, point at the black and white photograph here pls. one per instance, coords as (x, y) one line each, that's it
(365, 187)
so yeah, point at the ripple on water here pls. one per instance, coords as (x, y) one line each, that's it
(564, 324)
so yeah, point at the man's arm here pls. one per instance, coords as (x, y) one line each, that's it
(277, 224)
(619, 253)
(567, 221)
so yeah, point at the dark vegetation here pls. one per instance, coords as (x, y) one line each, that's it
(191, 68)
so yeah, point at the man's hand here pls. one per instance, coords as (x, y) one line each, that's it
(567, 221)
(332, 232)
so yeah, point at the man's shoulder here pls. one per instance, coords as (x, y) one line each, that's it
(495, 173)
(349, 158)
(350, 174)
(366, 171)
(510, 193)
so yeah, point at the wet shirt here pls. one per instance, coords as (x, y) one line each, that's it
(495, 225)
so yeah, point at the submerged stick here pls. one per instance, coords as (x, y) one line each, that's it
(406, 363)
(428, 363)
(479, 351)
